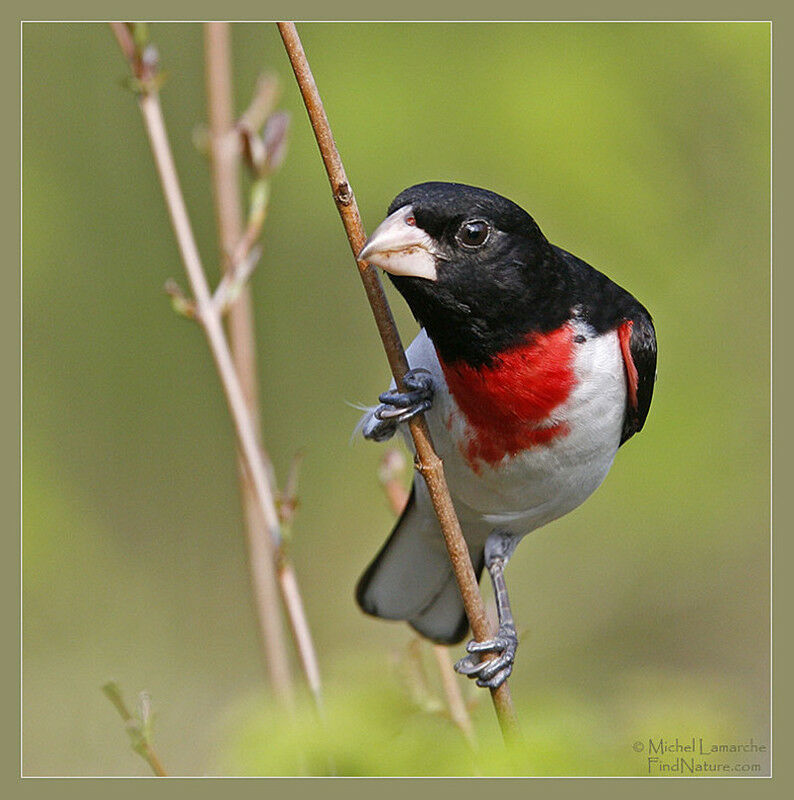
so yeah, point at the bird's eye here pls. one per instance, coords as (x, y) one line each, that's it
(473, 232)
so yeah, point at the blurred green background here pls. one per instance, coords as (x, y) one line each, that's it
(642, 148)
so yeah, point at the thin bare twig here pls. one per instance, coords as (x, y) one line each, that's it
(262, 104)
(235, 280)
(392, 467)
(139, 730)
(290, 593)
(262, 548)
(233, 289)
(301, 633)
(427, 461)
(127, 44)
(390, 472)
(455, 702)
(224, 166)
(416, 675)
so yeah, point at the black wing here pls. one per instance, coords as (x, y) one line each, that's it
(642, 355)
(608, 307)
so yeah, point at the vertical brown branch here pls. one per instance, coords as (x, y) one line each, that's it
(224, 165)
(225, 162)
(301, 633)
(456, 704)
(144, 68)
(427, 461)
(392, 466)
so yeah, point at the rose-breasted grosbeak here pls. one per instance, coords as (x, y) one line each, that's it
(532, 368)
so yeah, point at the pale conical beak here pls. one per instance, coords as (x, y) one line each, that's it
(400, 247)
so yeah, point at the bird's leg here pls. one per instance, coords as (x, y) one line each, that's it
(494, 672)
(398, 407)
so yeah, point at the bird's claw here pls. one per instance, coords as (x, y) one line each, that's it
(491, 673)
(398, 407)
(417, 397)
(388, 413)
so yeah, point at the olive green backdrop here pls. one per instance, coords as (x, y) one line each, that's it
(642, 148)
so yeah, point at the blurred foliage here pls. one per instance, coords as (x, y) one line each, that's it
(642, 148)
(372, 730)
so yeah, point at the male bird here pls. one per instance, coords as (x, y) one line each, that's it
(532, 369)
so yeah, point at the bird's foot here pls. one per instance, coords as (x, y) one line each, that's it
(492, 673)
(398, 407)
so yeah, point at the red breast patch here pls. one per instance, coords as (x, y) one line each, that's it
(507, 405)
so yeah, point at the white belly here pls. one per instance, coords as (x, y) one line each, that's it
(523, 492)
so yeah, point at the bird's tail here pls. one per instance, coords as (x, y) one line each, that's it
(411, 578)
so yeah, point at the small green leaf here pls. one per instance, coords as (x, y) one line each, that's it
(140, 35)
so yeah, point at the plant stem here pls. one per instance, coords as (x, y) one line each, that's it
(262, 548)
(301, 633)
(225, 160)
(428, 463)
(457, 707)
(141, 744)
(391, 467)
(235, 242)
(390, 471)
